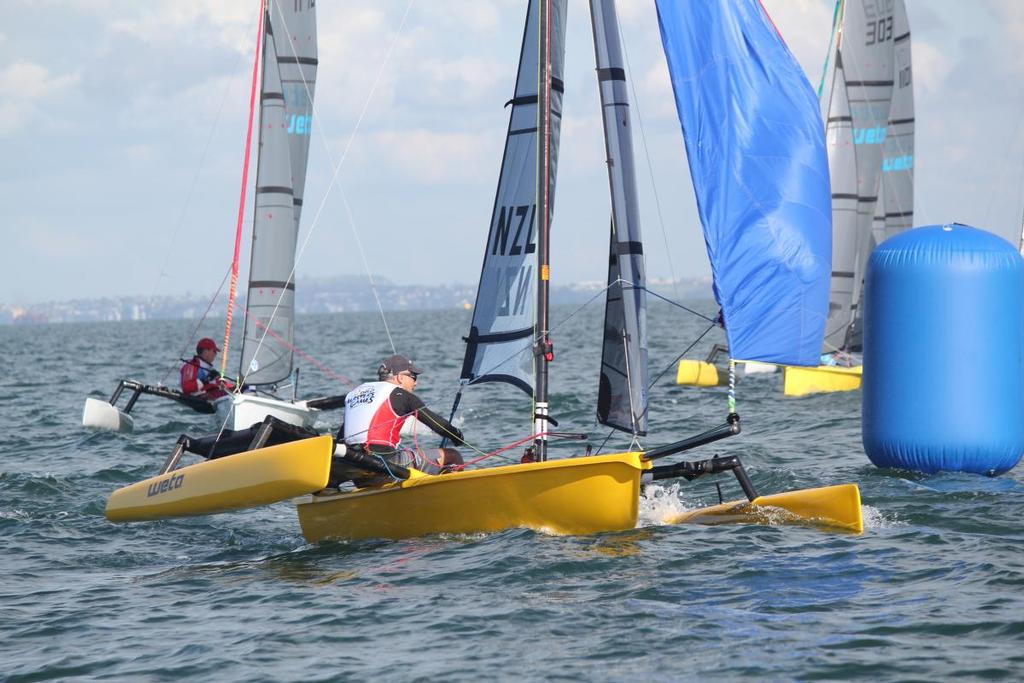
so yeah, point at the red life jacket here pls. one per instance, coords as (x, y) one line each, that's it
(369, 418)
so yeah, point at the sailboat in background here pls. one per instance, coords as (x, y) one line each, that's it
(771, 265)
(288, 77)
(286, 117)
(867, 96)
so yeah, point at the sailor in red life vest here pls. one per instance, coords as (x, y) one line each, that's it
(198, 376)
(376, 411)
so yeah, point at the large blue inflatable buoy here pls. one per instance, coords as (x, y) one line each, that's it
(943, 381)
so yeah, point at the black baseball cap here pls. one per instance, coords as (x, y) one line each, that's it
(392, 365)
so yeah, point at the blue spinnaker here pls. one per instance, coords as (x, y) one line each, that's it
(756, 147)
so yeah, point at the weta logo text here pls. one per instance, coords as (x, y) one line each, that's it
(156, 488)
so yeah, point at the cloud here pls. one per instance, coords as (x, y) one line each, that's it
(54, 245)
(1009, 17)
(24, 86)
(140, 153)
(931, 70)
(430, 157)
(212, 23)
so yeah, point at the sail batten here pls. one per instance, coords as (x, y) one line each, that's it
(753, 134)
(289, 73)
(622, 387)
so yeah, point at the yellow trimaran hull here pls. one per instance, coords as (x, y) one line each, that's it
(822, 379)
(574, 496)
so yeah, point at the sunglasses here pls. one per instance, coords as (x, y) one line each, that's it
(412, 375)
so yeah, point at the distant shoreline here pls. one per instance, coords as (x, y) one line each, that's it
(332, 295)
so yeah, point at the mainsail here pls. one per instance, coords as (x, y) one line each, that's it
(622, 391)
(896, 205)
(857, 103)
(757, 159)
(289, 69)
(297, 61)
(498, 348)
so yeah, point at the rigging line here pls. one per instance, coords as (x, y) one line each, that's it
(337, 168)
(366, 266)
(192, 334)
(195, 179)
(291, 347)
(674, 303)
(659, 376)
(537, 338)
(591, 300)
(650, 168)
(679, 357)
(605, 442)
(836, 30)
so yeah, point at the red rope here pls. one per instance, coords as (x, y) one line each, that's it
(233, 291)
(291, 347)
(500, 450)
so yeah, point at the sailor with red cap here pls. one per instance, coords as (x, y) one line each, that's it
(198, 376)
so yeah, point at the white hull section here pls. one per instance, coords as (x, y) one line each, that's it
(752, 367)
(241, 411)
(101, 415)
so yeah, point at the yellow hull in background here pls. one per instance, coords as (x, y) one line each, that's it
(698, 373)
(830, 505)
(822, 379)
(235, 482)
(575, 496)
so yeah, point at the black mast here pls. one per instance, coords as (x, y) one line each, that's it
(543, 349)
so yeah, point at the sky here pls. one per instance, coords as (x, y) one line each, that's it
(122, 131)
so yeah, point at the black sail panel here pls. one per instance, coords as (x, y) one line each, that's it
(622, 391)
(498, 348)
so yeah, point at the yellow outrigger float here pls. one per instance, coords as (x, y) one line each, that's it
(799, 381)
(245, 480)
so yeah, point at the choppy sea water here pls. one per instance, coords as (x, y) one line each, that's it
(933, 590)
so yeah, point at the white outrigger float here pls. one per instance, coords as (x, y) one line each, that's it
(769, 242)
(289, 63)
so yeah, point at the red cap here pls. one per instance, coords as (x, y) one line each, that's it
(206, 343)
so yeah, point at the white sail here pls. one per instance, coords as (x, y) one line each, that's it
(898, 163)
(267, 354)
(859, 98)
(622, 391)
(502, 331)
(297, 63)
